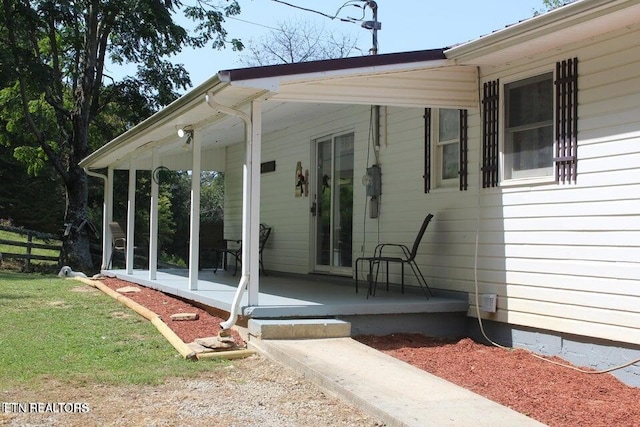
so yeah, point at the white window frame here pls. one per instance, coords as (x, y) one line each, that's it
(537, 175)
(437, 148)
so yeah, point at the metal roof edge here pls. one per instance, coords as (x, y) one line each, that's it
(282, 70)
(211, 84)
(572, 13)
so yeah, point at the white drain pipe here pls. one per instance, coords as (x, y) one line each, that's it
(246, 214)
(106, 232)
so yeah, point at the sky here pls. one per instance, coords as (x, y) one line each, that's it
(407, 25)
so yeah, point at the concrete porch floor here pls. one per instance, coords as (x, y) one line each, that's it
(287, 296)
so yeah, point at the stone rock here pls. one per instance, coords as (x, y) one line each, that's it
(197, 348)
(217, 343)
(128, 289)
(185, 316)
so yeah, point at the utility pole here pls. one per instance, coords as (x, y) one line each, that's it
(374, 25)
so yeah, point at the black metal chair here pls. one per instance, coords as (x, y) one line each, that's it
(401, 255)
(236, 251)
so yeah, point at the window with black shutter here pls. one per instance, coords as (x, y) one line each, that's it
(540, 130)
(445, 149)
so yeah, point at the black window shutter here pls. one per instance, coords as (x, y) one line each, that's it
(490, 102)
(566, 155)
(463, 150)
(427, 150)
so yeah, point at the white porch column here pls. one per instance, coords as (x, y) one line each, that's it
(107, 215)
(153, 218)
(131, 215)
(254, 149)
(194, 238)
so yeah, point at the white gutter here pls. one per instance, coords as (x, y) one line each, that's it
(246, 191)
(572, 14)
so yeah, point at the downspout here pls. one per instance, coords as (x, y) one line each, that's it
(244, 279)
(105, 229)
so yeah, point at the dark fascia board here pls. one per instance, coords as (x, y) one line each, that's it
(330, 65)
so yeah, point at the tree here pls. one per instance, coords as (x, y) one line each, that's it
(212, 198)
(550, 5)
(57, 98)
(298, 41)
(29, 201)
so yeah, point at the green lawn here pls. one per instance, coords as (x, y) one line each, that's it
(50, 331)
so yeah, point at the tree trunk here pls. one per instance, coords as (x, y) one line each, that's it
(75, 244)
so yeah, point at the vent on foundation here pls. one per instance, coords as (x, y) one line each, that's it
(488, 302)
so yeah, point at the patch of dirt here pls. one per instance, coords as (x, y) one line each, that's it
(252, 392)
(84, 289)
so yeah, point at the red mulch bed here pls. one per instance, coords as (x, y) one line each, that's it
(552, 394)
(549, 393)
(164, 306)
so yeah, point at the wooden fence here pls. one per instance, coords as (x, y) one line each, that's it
(27, 253)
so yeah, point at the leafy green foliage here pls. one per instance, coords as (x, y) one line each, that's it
(35, 203)
(58, 100)
(550, 5)
(212, 197)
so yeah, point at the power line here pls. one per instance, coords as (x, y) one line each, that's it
(281, 30)
(374, 25)
(254, 23)
(348, 3)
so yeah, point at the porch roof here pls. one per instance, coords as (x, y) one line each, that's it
(293, 93)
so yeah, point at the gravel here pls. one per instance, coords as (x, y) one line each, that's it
(250, 392)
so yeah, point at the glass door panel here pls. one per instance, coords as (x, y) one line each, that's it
(334, 204)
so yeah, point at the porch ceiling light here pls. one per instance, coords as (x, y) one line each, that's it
(182, 132)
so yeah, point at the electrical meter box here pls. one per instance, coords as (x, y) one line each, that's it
(374, 181)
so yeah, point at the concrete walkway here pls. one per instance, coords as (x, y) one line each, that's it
(388, 389)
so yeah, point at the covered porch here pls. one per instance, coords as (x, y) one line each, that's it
(291, 296)
(222, 125)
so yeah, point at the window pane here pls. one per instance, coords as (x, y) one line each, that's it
(450, 158)
(530, 101)
(343, 203)
(324, 193)
(448, 125)
(529, 149)
(528, 145)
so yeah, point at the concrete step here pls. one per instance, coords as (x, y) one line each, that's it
(283, 329)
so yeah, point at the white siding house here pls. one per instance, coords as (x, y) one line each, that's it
(560, 252)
